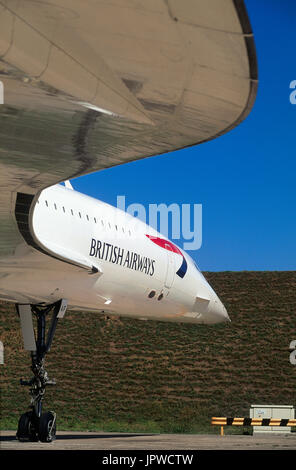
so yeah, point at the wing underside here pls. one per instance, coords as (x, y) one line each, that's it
(93, 84)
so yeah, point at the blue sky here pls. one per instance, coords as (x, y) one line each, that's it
(246, 179)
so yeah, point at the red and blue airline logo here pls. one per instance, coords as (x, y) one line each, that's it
(167, 245)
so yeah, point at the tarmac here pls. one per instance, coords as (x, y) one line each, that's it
(135, 441)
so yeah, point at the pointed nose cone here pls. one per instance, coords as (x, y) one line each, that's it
(209, 309)
(217, 313)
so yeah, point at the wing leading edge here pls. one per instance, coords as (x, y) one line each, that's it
(91, 85)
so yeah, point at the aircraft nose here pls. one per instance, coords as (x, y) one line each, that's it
(209, 309)
(217, 311)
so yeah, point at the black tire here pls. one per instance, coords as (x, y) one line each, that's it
(47, 427)
(26, 430)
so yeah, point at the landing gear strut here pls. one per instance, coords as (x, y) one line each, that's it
(35, 425)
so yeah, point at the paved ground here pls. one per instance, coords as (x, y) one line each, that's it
(119, 441)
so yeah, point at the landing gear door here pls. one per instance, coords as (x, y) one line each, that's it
(170, 272)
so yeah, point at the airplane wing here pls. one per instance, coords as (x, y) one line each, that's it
(93, 84)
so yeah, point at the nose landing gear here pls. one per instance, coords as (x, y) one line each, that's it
(35, 425)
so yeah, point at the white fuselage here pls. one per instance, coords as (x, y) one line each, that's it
(125, 266)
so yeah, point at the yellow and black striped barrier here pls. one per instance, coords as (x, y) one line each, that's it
(251, 422)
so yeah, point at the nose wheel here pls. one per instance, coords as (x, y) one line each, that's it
(35, 425)
(33, 429)
(27, 428)
(47, 427)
